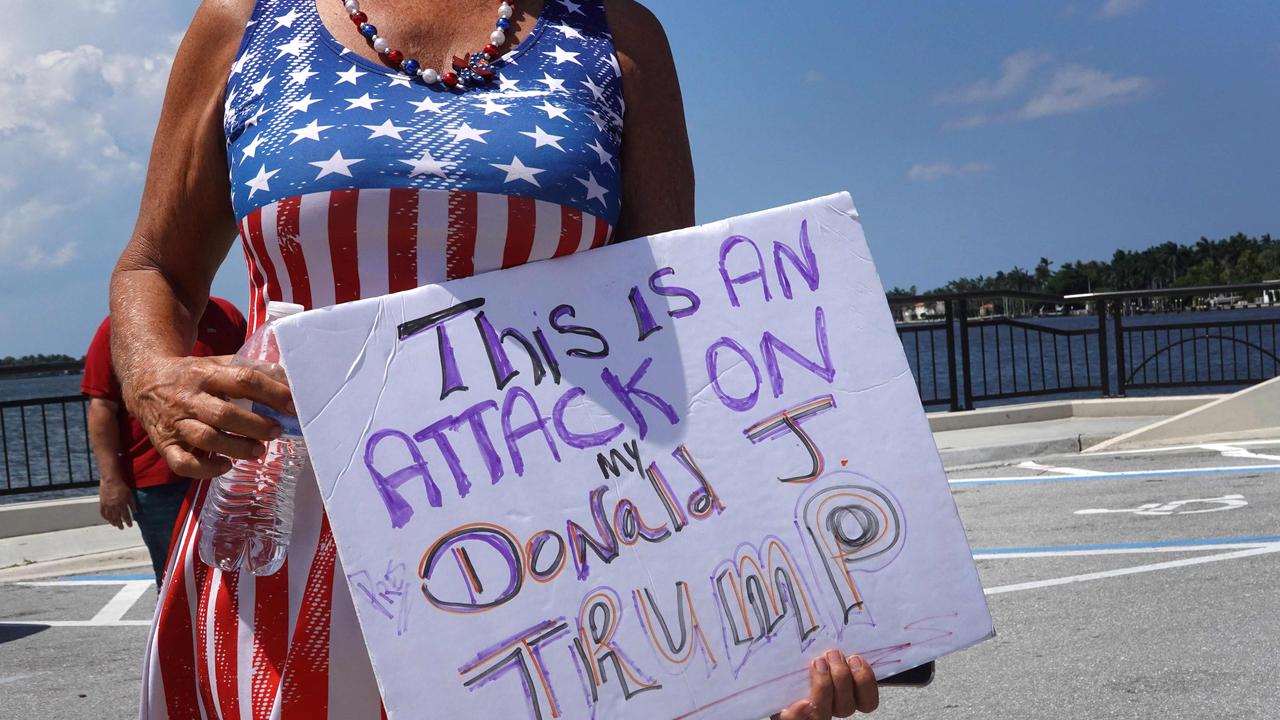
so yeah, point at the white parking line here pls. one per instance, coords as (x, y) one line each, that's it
(1184, 562)
(117, 606)
(110, 615)
(1032, 465)
(1235, 451)
(1094, 475)
(1180, 448)
(1119, 551)
(76, 623)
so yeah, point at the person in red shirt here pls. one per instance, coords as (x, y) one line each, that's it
(136, 482)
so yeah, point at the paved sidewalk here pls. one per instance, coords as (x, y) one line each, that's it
(999, 443)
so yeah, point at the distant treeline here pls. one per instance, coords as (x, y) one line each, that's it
(11, 361)
(1237, 259)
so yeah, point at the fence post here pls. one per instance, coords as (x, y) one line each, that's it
(962, 306)
(1116, 311)
(951, 356)
(1104, 366)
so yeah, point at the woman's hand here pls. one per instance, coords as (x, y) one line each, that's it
(838, 687)
(181, 402)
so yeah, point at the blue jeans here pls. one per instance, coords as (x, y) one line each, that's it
(158, 509)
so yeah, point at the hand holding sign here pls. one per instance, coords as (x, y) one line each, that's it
(651, 480)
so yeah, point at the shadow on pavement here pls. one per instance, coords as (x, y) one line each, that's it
(9, 633)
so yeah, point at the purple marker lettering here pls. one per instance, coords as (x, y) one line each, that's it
(726, 247)
(387, 484)
(674, 291)
(808, 268)
(435, 431)
(474, 418)
(513, 435)
(580, 441)
(625, 393)
(737, 404)
(770, 346)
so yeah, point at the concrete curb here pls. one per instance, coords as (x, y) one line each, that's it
(69, 543)
(1252, 413)
(128, 559)
(1000, 454)
(42, 516)
(1065, 409)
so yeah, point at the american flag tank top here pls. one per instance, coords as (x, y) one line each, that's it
(350, 180)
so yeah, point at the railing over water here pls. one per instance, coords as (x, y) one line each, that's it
(44, 445)
(990, 346)
(974, 348)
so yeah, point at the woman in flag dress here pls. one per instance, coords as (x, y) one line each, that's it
(350, 159)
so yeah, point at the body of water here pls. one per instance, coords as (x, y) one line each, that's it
(28, 388)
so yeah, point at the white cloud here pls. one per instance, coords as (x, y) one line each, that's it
(29, 236)
(928, 172)
(1116, 8)
(1075, 89)
(1031, 87)
(1015, 71)
(75, 128)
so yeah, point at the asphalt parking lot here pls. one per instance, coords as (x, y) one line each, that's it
(1127, 585)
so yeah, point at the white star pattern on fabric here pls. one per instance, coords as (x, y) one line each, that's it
(386, 129)
(349, 75)
(426, 104)
(563, 56)
(261, 85)
(595, 191)
(572, 7)
(552, 111)
(553, 84)
(336, 165)
(569, 31)
(238, 65)
(451, 141)
(605, 157)
(596, 92)
(303, 104)
(256, 116)
(260, 182)
(310, 131)
(294, 47)
(491, 108)
(251, 150)
(364, 101)
(427, 165)
(543, 139)
(466, 132)
(519, 171)
(300, 77)
(286, 20)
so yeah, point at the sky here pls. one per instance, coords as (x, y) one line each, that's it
(973, 136)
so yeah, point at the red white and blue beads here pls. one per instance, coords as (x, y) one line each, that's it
(470, 71)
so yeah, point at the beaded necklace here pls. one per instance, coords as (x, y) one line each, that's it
(471, 71)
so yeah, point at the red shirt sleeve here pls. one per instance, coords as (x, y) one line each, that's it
(222, 329)
(99, 379)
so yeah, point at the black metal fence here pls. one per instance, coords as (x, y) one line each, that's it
(963, 349)
(971, 348)
(44, 444)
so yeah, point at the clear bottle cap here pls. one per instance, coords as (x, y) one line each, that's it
(277, 309)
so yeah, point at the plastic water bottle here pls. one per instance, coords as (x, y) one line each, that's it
(248, 514)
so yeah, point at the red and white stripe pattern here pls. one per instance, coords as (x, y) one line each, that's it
(288, 646)
(332, 247)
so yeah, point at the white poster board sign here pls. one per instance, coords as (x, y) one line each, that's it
(647, 481)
